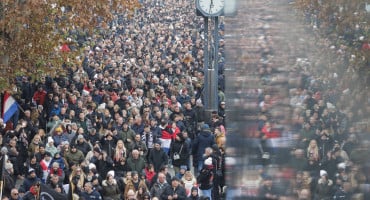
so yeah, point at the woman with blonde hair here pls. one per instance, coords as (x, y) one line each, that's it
(77, 180)
(34, 145)
(313, 151)
(119, 152)
(189, 181)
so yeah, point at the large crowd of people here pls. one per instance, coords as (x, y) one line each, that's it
(127, 122)
(318, 106)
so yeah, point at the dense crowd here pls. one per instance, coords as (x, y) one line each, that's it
(319, 105)
(128, 122)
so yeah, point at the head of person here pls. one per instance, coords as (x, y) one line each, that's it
(88, 187)
(14, 193)
(135, 154)
(175, 182)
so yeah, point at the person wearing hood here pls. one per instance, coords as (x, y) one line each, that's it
(194, 194)
(110, 187)
(33, 192)
(201, 142)
(49, 146)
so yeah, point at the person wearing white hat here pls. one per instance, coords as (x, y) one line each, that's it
(49, 146)
(205, 178)
(324, 186)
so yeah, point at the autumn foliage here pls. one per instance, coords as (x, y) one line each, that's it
(345, 24)
(38, 37)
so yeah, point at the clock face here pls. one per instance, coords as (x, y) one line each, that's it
(211, 7)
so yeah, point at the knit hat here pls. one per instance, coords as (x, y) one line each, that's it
(92, 166)
(111, 172)
(58, 129)
(205, 127)
(194, 188)
(50, 139)
(208, 161)
(323, 173)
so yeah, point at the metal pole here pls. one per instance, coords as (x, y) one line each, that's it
(206, 65)
(215, 65)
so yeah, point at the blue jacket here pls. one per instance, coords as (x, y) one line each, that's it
(93, 195)
(201, 142)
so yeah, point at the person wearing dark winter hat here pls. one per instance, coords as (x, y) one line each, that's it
(74, 155)
(205, 139)
(157, 156)
(194, 194)
(179, 152)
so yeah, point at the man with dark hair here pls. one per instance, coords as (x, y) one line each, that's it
(89, 192)
(157, 156)
(174, 191)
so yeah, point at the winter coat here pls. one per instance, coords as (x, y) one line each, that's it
(111, 190)
(179, 190)
(205, 139)
(157, 189)
(324, 190)
(205, 179)
(158, 158)
(176, 147)
(75, 157)
(84, 147)
(136, 164)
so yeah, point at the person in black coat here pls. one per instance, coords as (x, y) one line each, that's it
(157, 156)
(179, 152)
(174, 191)
(194, 194)
(201, 142)
(8, 177)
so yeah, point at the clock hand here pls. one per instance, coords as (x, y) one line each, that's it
(210, 6)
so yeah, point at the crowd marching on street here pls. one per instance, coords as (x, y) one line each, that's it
(304, 114)
(128, 122)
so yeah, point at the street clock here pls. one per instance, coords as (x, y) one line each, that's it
(210, 8)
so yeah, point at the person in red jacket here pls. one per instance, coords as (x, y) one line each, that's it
(269, 132)
(40, 95)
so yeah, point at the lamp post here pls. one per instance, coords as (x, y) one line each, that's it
(210, 10)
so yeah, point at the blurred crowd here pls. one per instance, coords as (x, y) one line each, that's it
(306, 115)
(127, 122)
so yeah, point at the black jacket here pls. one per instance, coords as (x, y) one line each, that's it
(158, 158)
(180, 148)
(179, 190)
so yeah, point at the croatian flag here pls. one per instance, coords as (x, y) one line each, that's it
(10, 107)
